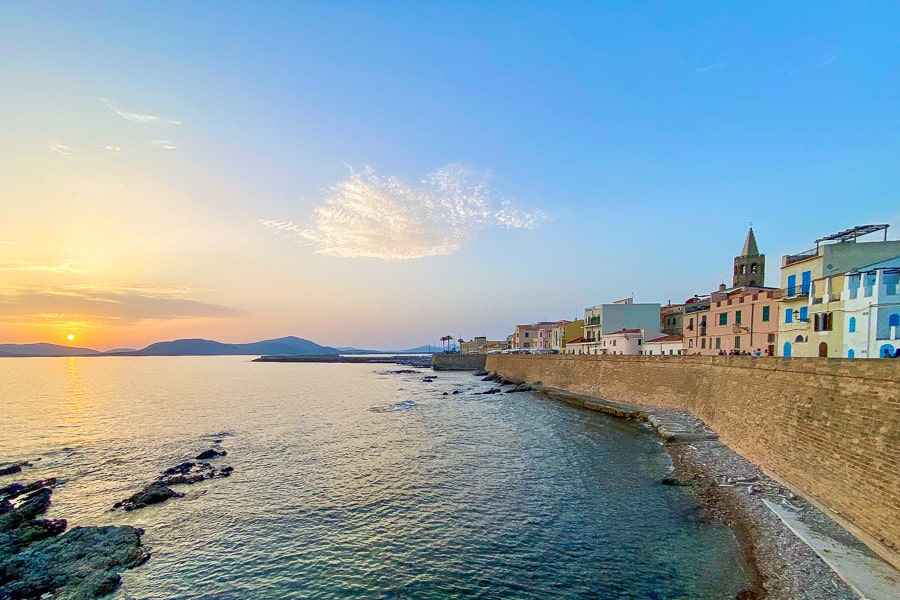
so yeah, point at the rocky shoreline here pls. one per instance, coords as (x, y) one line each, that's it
(732, 490)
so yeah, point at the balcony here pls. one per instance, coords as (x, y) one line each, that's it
(788, 260)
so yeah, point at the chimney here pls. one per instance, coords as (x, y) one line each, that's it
(722, 287)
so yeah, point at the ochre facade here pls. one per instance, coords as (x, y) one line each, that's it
(830, 428)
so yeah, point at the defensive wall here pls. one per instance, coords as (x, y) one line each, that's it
(458, 362)
(828, 428)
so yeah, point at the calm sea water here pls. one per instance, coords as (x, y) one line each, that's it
(351, 482)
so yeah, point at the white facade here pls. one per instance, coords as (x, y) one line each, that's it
(871, 306)
(623, 314)
(625, 341)
(669, 345)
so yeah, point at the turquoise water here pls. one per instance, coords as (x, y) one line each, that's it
(351, 482)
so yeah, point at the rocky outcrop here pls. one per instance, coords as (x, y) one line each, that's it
(187, 472)
(38, 560)
(154, 493)
(211, 453)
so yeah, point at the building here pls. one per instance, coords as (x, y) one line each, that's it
(481, 345)
(696, 318)
(741, 320)
(750, 266)
(871, 310)
(528, 337)
(565, 333)
(666, 345)
(624, 341)
(622, 314)
(671, 319)
(833, 255)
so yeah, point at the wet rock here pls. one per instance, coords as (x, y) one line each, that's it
(445, 394)
(455, 392)
(191, 472)
(154, 493)
(676, 481)
(38, 560)
(492, 391)
(15, 490)
(522, 387)
(211, 453)
(480, 373)
(10, 470)
(83, 563)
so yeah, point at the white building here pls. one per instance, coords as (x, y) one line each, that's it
(667, 345)
(624, 341)
(615, 317)
(871, 305)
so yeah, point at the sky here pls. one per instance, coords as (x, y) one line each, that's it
(381, 174)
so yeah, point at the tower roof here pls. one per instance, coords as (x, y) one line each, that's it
(750, 248)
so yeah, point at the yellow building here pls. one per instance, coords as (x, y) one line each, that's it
(797, 333)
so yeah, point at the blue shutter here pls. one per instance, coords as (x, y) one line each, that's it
(804, 313)
(806, 277)
(852, 327)
(792, 285)
(789, 315)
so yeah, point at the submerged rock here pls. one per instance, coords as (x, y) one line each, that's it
(191, 472)
(154, 493)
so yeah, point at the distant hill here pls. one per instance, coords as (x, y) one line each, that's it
(45, 350)
(290, 345)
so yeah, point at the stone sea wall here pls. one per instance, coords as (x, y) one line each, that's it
(458, 362)
(828, 427)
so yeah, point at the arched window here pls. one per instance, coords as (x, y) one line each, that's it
(852, 327)
(798, 339)
(816, 323)
(894, 320)
(753, 268)
(851, 353)
(743, 269)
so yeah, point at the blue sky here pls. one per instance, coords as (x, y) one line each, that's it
(381, 174)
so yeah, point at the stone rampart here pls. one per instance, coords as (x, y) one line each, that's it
(828, 427)
(458, 362)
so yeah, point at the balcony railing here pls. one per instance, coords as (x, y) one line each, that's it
(800, 256)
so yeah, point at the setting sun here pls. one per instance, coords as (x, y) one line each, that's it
(70, 337)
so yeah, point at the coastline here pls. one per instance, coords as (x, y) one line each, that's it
(731, 488)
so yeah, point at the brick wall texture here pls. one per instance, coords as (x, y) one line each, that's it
(830, 427)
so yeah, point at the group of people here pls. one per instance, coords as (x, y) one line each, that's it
(887, 353)
(736, 352)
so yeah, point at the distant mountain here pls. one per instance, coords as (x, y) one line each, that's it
(198, 347)
(45, 350)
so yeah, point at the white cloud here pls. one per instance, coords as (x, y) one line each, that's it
(709, 68)
(140, 119)
(67, 267)
(372, 216)
(111, 149)
(60, 149)
(164, 144)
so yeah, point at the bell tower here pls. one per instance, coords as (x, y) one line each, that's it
(750, 266)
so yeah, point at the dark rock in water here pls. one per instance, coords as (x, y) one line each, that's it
(83, 563)
(522, 387)
(191, 472)
(401, 372)
(445, 394)
(211, 453)
(225, 471)
(455, 392)
(36, 560)
(480, 373)
(675, 481)
(154, 493)
(15, 490)
(10, 470)
(493, 391)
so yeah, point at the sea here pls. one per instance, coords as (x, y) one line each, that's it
(361, 481)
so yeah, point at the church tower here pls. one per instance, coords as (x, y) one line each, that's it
(750, 266)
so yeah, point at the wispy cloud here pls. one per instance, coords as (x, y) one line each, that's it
(111, 149)
(121, 304)
(139, 118)
(60, 149)
(164, 144)
(708, 68)
(66, 267)
(373, 216)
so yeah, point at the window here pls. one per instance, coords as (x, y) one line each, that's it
(691, 324)
(614, 342)
(894, 320)
(737, 317)
(816, 322)
(737, 341)
(852, 326)
(789, 315)
(639, 342)
(702, 343)
(805, 279)
(791, 285)
(718, 343)
(804, 313)
(723, 318)
(691, 343)
(526, 334)
(765, 314)
(827, 321)
(753, 268)
(743, 269)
